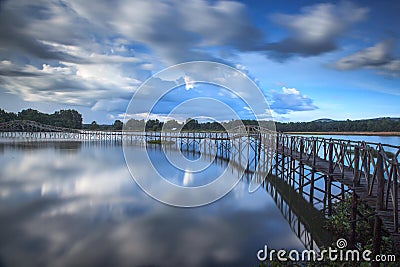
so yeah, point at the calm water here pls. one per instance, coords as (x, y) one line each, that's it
(75, 204)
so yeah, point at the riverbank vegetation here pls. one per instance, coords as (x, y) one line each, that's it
(330, 126)
(63, 118)
(370, 126)
(73, 119)
(69, 118)
(339, 224)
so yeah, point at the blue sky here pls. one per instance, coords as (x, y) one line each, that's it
(311, 59)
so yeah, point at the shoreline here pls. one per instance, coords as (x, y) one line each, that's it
(347, 133)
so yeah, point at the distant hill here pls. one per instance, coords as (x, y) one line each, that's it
(329, 125)
(323, 120)
(381, 118)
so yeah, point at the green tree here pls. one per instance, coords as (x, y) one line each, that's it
(191, 124)
(7, 116)
(154, 125)
(33, 115)
(118, 125)
(172, 124)
(67, 118)
(135, 125)
(93, 126)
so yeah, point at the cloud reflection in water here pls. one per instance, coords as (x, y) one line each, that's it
(80, 207)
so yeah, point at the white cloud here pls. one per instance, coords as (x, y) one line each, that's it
(189, 83)
(290, 91)
(71, 83)
(289, 100)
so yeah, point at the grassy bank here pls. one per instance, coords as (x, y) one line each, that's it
(159, 142)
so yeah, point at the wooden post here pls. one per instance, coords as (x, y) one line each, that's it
(329, 182)
(290, 170)
(301, 179)
(292, 175)
(258, 158)
(277, 154)
(376, 243)
(367, 168)
(356, 176)
(343, 155)
(312, 185)
(301, 148)
(395, 197)
(314, 151)
(240, 149)
(283, 167)
(329, 194)
(381, 181)
(353, 224)
(330, 157)
(301, 167)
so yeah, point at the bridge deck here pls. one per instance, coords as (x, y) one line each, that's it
(321, 165)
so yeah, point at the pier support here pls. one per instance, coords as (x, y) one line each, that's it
(353, 223)
(377, 239)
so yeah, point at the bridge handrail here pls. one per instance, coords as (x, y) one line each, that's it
(368, 160)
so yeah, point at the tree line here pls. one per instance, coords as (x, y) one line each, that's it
(189, 125)
(157, 125)
(94, 126)
(73, 119)
(370, 125)
(63, 118)
(69, 118)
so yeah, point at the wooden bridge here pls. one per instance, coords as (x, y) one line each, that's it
(369, 171)
(320, 170)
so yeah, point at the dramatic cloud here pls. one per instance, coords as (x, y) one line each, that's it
(69, 83)
(290, 99)
(95, 54)
(53, 55)
(25, 25)
(175, 31)
(379, 57)
(315, 30)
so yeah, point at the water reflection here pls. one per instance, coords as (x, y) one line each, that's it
(76, 205)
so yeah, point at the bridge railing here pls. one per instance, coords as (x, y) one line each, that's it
(32, 126)
(371, 164)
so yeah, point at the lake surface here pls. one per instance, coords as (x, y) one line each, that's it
(76, 204)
